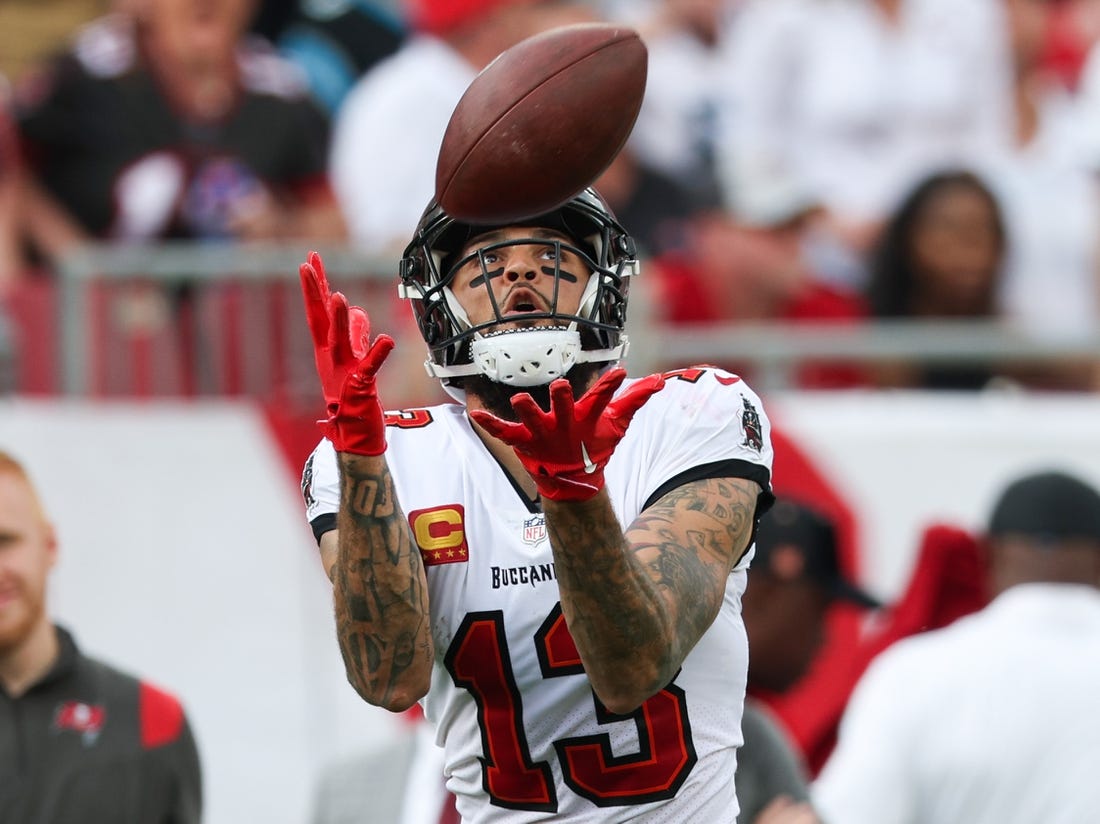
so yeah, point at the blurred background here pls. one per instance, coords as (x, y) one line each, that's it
(885, 214)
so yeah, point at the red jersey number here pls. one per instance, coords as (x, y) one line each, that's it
(478, 661)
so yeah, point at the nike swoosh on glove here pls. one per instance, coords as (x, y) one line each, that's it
(347, 363)
(566, 449)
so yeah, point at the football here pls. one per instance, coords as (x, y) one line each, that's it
(541, 122)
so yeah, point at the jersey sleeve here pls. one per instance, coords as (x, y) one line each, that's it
(705, 422)
(321, 488)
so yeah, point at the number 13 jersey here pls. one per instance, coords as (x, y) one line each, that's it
(525, 738)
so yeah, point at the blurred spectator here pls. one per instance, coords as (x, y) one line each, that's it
(854, 100)
(794, 578)
(388, 132)
(679, 123)
(991, 719)
(169, 122)
(940, 256)
(1051, 199)
(947, 582)
(79, 740)
(756, 270)
(334, 42)
(1073, 31)
(656, 206)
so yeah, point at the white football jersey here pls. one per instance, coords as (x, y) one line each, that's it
(509, 699)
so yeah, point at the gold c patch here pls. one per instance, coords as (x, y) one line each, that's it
(440, 533)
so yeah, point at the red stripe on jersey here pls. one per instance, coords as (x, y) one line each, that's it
(161, 717)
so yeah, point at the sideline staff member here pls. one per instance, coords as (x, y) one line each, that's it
(80, 742)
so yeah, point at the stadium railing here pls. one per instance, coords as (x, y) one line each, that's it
(225, 319)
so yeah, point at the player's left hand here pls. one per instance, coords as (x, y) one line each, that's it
(567, 448)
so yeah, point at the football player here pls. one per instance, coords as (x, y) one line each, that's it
(553, 566)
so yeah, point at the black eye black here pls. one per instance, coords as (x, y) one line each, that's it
(480, 279)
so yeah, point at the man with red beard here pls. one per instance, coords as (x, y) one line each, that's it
(80, 742)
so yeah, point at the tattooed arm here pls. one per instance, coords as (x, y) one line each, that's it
(380, 589)
(637, 603)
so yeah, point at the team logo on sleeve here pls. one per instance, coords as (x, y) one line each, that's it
(440, 533)
(750, 422)
(76, 716)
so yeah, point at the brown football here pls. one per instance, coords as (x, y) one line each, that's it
(541, 122)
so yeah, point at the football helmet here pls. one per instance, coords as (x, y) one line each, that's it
(528, 356)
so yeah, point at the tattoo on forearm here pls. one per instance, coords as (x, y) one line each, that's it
(382, 601)
(373, 507)
(370, 496)
(721, 499)
(602, 596)
(684, 547)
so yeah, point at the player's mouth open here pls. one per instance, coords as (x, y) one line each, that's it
(521, 308)
(522, 303)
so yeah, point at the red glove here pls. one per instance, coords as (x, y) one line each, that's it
(346, 362)
(567, 448)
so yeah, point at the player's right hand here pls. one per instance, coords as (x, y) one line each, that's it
(347, 362)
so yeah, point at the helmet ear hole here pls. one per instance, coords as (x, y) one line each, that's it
(412, 268)
(433, 332)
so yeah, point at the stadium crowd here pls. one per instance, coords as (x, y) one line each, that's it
(794, 160)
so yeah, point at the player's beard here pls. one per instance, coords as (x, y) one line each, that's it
(497, 397)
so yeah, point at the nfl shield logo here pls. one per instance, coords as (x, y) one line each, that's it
(534, 529)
